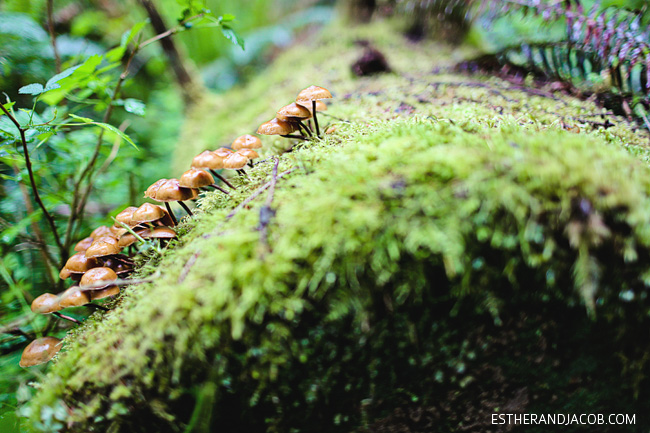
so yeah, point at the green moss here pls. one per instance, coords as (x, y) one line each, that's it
(418, 256)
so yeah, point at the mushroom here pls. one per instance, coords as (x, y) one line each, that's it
(100, 231)
(125, 217)
(73, 297)
(97, 276)
(48, 303)
(40, 351)
(207, 160)
(76, 265)
(83, 244)
(236, 161)
(295, 113)
(151, 213)
(246, 141)
(102, 247)
(195, 178)
(279, 127)
(159, 233)
(172, 191)
(313, 94)
(248, 153)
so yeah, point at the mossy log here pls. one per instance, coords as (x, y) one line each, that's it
(449, 253)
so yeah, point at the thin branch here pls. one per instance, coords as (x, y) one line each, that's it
(50, 28)
(32, 181)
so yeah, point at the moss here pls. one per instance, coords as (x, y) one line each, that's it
(437, 254)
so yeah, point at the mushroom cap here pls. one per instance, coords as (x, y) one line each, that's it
(293, 111)
(73, 297)
(320, 105)
(246, 141)
(100, 231)
(40, 351)
(127, 239)
(223, 152)
(118, 230)
(195, 178)
(313, 93)
(207, 159)
(248, 153)
(105, 293)
(235, 161)
(79, 263)
(276, 127)
(147, 213)
(153, 188)
(83, 244)
(103, 247)
(97, 275)
(45, 304)
(65, 273)
(172, 191)
(126, 215)
(160, 233)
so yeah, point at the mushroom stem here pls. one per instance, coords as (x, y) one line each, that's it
(221, 178)
(300, 137)
(171, 214)
(97, 307)
(242, 172)
(63, 316)
(313, 110)
(187, 209)
(219, 188)
(303, 127)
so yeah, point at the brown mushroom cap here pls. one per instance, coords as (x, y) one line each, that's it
(147, 213)
(40, 351)
(79, 263)
(207, 159)
(320, 105)
(276, 127)
(103, 247)
(235, 161)
(159, 233)
(65, 273)
(293, 111)
(248, 153)
(105, 293)
(195, 178)
(153, 188)
(312, 93)
(97, 275)
(83, 244)
(100, 231)
(223, 152)
(45, 304)
(126, 216)
(246, 141)
(73, 297)
(117, 230)
(172, 191)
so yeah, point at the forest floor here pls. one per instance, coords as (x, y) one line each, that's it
(235, 252)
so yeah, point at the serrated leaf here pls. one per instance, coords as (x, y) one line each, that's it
(232, 36)
(135, 106)
(31, 89)
(52, 83)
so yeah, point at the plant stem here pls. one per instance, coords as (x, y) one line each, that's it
(187, 209)
(50, 28)
(37, 197)
(219, 188)
(221, 178)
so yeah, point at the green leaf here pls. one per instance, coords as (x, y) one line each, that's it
(128, 36)
(52, 83)
(107, 127)
(232, 36)
(32, 89)
(226, 18)
(135, 106)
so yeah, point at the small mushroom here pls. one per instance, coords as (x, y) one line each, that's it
(208, 160)
(73, 297)
(151, 213)
(295, 113)
(172, 191)
(279, 127)
(195, 178)
(76, 265)
(100, 231)
(236, 161)
(48, 303)
(125, 217)
(248, 153)
(40, 351)
(313, 94)
(83, 244)
(246, 141)
(102, 247)
(153, 188)
(162, 233)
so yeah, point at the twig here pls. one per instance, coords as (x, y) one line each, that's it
(32, 181)
(266, 212)
(50, 28)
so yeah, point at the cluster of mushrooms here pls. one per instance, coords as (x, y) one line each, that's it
(290, 118)
(99, 263)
